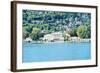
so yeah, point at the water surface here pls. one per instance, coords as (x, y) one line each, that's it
(55, 52)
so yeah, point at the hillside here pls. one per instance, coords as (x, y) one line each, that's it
(38, 23)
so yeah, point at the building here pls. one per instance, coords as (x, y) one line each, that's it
(56, 36)
(48, 38)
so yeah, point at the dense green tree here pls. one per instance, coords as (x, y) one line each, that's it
(25, 34)
(83, 31)
(27, 28)
(35, 33)
(72, 31)
(88, 31)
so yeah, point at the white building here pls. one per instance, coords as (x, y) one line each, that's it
(56, 36)
(48, 37)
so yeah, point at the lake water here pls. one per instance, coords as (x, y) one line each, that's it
(55, 52)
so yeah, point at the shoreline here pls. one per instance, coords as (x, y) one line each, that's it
(71, 41)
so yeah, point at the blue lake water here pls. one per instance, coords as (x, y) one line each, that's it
(55, 52)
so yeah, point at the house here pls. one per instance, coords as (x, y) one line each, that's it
(47, 37)
(56, 36)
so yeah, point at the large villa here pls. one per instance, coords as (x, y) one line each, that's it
(56, 36)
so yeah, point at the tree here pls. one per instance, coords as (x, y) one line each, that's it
(35, 34)
(27, 28)
(25, 34)
(88, 31)
(66, 38)
(72, 31)
(83, 31)
(26, 31)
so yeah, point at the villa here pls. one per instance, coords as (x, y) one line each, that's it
(56, 36)
(47, 37)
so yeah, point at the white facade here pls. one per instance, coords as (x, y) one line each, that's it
(54, 36)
